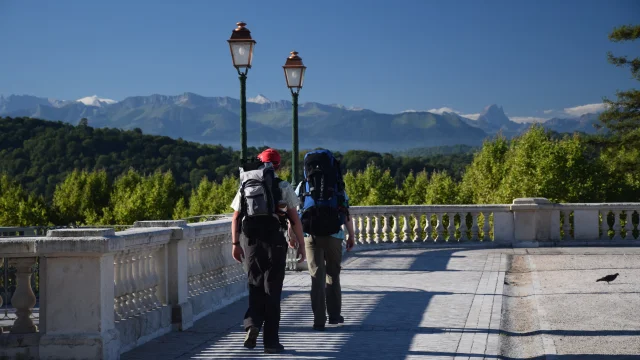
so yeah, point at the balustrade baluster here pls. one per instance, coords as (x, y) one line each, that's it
(195, 267)
(218, 268)
(385, 228)
(23, 299)
(360, 236)
(464, 228)
(395, 230)
(451, 227)
(566, 225)
(199, 268)
(138, 283)
(129, 304)
(144, 293)
(439, 228)
(406, 232)
(486, 226)
(209, 256)
(147, 294)
(152, 265)
(356, 228)
(117, 286)
(617, 229)
(474, 226)
(628, 225)
(416, 228)
(376, 229)
(428, 237)
(632, 226)
(368, 229)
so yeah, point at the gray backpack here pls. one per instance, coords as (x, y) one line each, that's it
(260, 194)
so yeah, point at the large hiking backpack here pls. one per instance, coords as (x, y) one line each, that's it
(259, 197)
(322, 194)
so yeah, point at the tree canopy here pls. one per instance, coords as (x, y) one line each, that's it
(622, 115)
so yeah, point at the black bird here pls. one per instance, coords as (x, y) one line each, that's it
(608, 278)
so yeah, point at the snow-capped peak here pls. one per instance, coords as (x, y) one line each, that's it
(260, 99)
(95, 101)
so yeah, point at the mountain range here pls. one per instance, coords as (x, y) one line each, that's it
(216, 120)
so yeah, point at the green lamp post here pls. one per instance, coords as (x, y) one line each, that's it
(241, 45)
(294, 74)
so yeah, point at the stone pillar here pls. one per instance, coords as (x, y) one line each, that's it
(23, 298)
(77, 317)
(502, 227)
(531, 221)
(587, 224)
(178, 286)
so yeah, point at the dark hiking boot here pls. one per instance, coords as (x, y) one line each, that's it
(338, 320)
(273, 349)
(251, 338)
(318, 327)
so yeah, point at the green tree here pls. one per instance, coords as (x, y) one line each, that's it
(355, 188)
(484, 175)
(17, 208)
(213, 198)
(441, 190)
(382, 188)
(181, 211)
(622, 116)
(82, 197)
(127, 200)
(414, 188)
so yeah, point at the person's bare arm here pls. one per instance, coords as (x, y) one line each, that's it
(296, 225)
(350, 233)
(236, 251)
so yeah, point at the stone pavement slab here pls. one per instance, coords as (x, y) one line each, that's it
(398, 304)
(582, 316)
(553, 307)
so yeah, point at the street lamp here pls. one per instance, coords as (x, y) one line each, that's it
(294, 74)
(241, 45)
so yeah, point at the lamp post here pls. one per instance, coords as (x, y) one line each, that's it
(241, 45)
(294, 74)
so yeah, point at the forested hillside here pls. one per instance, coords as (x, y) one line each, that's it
(93, 176)
(40, 154)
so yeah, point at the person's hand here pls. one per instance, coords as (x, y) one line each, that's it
(293, 243)
(302, 253)
(350, 242)
(237, 253)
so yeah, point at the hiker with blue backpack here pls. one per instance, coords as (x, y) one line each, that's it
(264, 208)
(324, 209)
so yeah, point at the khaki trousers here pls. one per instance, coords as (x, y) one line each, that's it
(324, 256)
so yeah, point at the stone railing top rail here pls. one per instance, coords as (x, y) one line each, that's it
(595, 206)
(84, 241)
(519, 204)
(19, 246)
(406, 209)
(209, 228)
(199, 229)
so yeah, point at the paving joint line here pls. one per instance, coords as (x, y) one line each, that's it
(547, 342)
(467, 327)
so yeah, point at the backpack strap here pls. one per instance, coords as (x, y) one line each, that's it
(243, 204)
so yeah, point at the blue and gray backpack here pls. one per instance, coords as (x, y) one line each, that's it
(322, 196)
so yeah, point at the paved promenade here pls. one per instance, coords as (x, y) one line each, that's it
(446, 304)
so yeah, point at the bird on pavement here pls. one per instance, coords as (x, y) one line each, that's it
(608, 278)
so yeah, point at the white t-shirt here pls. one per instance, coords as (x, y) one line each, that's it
(288, 195)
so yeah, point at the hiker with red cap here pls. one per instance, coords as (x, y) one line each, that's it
(265, 207)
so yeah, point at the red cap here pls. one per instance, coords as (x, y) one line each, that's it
(270, 155)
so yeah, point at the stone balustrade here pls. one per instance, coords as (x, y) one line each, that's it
(103, 292)
(431, 224)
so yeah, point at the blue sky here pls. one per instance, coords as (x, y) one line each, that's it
(388, 56)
